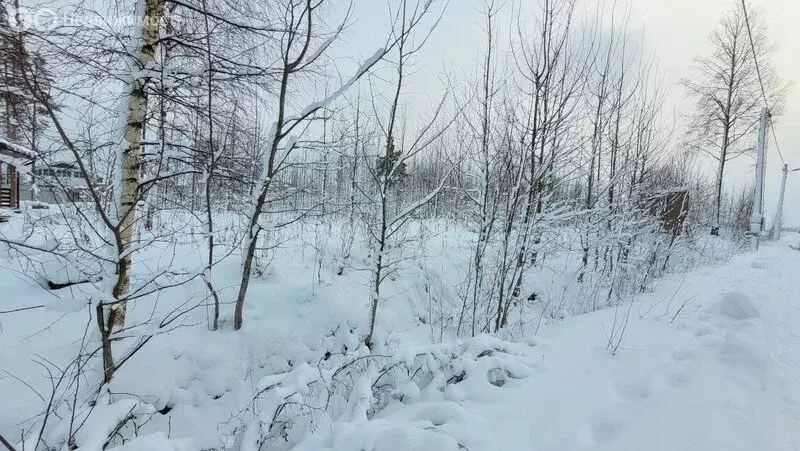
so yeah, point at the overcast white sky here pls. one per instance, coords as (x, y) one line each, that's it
(676, 30)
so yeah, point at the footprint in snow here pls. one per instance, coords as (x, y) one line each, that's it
(677, 378)
(704, 317)
(636, 390)
(680, 355)
(605, 430)
(673, 374)
(676, 372)
(702, 332)
(712, 340)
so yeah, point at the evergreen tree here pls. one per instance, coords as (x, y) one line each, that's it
(387, 162)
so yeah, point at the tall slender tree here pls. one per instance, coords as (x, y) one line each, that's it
(727, 88)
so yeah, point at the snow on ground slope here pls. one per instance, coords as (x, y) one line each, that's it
(724, 375)
(710, 360)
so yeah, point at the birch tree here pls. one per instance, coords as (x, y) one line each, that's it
(129, 170)
(113, 226)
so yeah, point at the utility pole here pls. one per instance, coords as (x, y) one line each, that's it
(776, 227)
(778, 223)
(757, 218)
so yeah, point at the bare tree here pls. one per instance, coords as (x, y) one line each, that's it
(552, 64)
(390, 168)
(485, 200)
(726, 86)
(118, 221)
(302, 28)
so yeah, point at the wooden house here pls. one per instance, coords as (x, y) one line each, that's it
(14, 160)
(62, 181)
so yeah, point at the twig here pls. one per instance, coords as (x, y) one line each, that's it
(22, 309)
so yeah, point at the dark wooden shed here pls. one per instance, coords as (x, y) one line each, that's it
(671, 208)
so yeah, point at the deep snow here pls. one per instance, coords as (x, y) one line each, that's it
(710, 360)
(724, 375)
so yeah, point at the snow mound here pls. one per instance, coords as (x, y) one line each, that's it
(60, 271)
(737, 305)
(408, 400)
(383, 436)
(156, 442)
(761, 263)
(746, 354)
(105, 426)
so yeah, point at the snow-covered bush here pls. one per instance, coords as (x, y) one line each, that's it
(349, 398)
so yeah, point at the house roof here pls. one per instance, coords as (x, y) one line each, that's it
(22, 165)
(20, 151)
(63, 165)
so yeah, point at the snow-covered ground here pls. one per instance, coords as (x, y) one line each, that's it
(709, 360)
(724, 374)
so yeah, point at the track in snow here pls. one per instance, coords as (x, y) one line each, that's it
(724, 375)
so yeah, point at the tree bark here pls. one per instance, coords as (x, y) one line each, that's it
(131, 158)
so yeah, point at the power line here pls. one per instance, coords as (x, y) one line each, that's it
(760, 80)
(775, 138)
